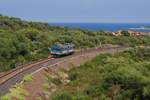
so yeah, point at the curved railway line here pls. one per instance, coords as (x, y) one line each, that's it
(15, 76)
(10, 74)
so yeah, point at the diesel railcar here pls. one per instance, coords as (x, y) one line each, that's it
(62, 49)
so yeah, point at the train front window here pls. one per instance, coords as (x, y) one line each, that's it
(56, 48)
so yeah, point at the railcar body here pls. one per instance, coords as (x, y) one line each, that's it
(62, 49)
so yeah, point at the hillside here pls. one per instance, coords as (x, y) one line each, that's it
(22, 42)
(123, 76)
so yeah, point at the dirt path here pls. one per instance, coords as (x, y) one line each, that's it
(35, 87)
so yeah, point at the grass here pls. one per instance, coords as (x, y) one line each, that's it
(28, 78)
(16, 93)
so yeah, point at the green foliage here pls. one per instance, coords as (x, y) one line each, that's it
(56, 81)
(125, 33)
(73, 76)
(53, 79)
(63, 96)
(17, 93)
(22, 42)
(123, 76)
(28, 78)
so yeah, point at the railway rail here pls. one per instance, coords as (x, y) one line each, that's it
(11, 78)
(10, 74)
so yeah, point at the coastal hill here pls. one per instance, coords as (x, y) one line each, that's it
(22, 41)
(120, 76)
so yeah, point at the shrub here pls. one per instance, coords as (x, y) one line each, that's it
(64, 96)
(122, 76)
(17, 93)
(28, 78)
(73, 75)
(125, 33)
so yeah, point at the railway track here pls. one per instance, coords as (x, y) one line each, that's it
(10, 74)
(15, 76)
(18, 68)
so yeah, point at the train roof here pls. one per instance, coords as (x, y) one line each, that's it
(62, 45)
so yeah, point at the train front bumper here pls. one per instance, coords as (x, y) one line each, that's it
(56, 53)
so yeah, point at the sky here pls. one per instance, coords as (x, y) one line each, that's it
(93, 11)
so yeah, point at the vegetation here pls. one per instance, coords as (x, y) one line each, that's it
(18, 92)
(125, 33)
(23, 42)
(122, 76)
(28, 78)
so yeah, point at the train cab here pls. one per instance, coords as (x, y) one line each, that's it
(62, 49)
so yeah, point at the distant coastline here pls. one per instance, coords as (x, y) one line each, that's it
(112, 27)
(142, 28)
(147, 27)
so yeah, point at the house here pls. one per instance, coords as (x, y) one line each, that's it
(131, 33)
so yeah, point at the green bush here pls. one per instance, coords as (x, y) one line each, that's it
(73, 76)
(57, 81)
(125, 33)
(30, 40)
(122, 76)
(17, 93)
(63, 96)
(28, 78)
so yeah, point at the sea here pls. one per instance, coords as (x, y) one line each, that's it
(111, 27)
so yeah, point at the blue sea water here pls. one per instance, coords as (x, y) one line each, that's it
(112, 27)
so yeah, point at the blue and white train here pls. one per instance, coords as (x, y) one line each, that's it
(62, 49)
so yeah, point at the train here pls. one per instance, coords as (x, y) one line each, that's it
(62, 49)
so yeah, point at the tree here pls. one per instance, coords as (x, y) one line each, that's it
(125, 33)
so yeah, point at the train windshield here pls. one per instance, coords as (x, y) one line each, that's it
(56, 48)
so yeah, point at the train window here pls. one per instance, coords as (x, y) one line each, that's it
(66, 48)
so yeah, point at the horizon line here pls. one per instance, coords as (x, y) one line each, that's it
(115, 22)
